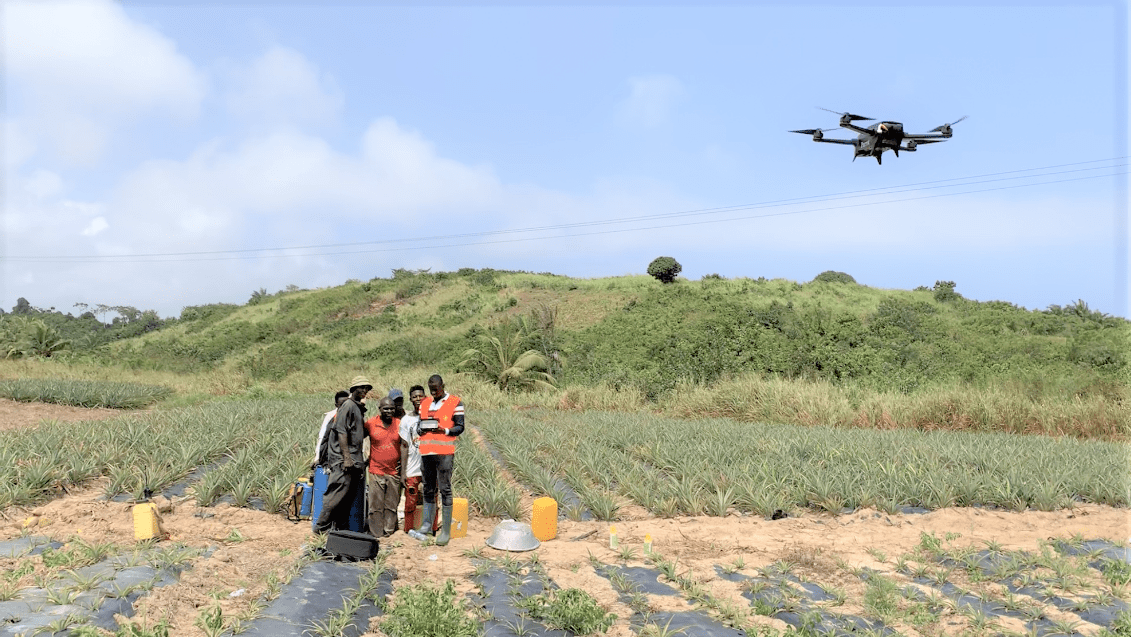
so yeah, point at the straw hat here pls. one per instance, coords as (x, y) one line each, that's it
(360, 381)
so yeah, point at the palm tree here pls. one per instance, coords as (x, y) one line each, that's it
(43, 340)
(504, 358)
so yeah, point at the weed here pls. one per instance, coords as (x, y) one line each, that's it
(570, 609)
(1116, 572)
(881, 597)
(425, 611)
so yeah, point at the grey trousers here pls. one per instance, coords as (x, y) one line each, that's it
(383, 498)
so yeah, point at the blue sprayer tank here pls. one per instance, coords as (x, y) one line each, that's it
(357, 511)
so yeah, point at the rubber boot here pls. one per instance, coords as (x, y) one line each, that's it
(445, 526)
(426, 519)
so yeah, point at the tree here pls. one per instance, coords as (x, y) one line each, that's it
(22, 306)
(505, 358)
(664, 269)
(43, 340)
(832, 276)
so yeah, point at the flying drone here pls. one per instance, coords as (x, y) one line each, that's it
(879, 137)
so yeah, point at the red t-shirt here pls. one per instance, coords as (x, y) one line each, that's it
(384, 446)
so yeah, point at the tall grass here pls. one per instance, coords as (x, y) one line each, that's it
(951, 407)
(84, 393)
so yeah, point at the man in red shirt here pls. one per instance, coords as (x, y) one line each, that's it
(387, 460)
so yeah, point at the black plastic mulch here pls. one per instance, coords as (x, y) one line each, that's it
(646, 580)
(500, 592)
(798, 608)
(34, 609)
(321, 588)
(991, 563)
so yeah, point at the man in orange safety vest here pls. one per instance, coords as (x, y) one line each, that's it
(441, 422)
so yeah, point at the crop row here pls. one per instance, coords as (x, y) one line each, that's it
(83, 393)
(694, 467)
(254, 450)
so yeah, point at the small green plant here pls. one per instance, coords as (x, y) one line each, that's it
(876, 553)
(628, 553)
(570, 609)
(426, 611)
(211, 621)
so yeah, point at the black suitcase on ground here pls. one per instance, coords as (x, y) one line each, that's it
(351, 545)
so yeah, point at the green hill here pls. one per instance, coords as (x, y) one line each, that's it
(635, 334)
(635, 331)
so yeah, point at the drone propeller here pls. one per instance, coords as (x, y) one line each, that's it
(849, 117)
(817, 133)
(945, 128)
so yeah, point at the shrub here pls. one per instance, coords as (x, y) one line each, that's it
(664, 269)
(832, 276)
(944, 291)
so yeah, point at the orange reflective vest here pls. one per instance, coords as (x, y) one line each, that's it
(436, 443)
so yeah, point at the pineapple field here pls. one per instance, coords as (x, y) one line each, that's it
(754, 529)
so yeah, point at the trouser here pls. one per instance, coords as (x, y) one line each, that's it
(438, 476)
(413, 502)
(341, 489)
(384, 496)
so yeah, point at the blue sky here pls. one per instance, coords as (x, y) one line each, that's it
(143, 129)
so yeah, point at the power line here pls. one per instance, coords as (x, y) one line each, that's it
(914, 187)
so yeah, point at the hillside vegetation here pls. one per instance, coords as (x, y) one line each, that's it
(828, 349)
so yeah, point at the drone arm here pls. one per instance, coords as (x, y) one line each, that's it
(850, 142)
(926, 138)
(856, 129)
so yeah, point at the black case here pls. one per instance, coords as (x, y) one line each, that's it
(351, 545)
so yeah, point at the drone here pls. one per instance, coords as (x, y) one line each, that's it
(879, 137)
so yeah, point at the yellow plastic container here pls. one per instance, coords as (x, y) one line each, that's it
(459, 517)
(544, 519)
(147, 524)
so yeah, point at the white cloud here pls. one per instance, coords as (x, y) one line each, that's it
(96, 225)
(85, 68)
(650, 100)
(282, 86)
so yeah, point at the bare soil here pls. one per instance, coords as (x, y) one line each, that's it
(17, 415)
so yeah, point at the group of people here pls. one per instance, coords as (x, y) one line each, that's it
(408, 452)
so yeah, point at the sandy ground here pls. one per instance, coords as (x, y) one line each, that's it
(15, 415)
(813, 541)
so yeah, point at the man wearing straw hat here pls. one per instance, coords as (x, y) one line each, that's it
(347, 465)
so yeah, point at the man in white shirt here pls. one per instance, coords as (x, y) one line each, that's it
(327, 418)
(413, 490)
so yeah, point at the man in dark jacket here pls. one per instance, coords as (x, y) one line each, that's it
(346, 463)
